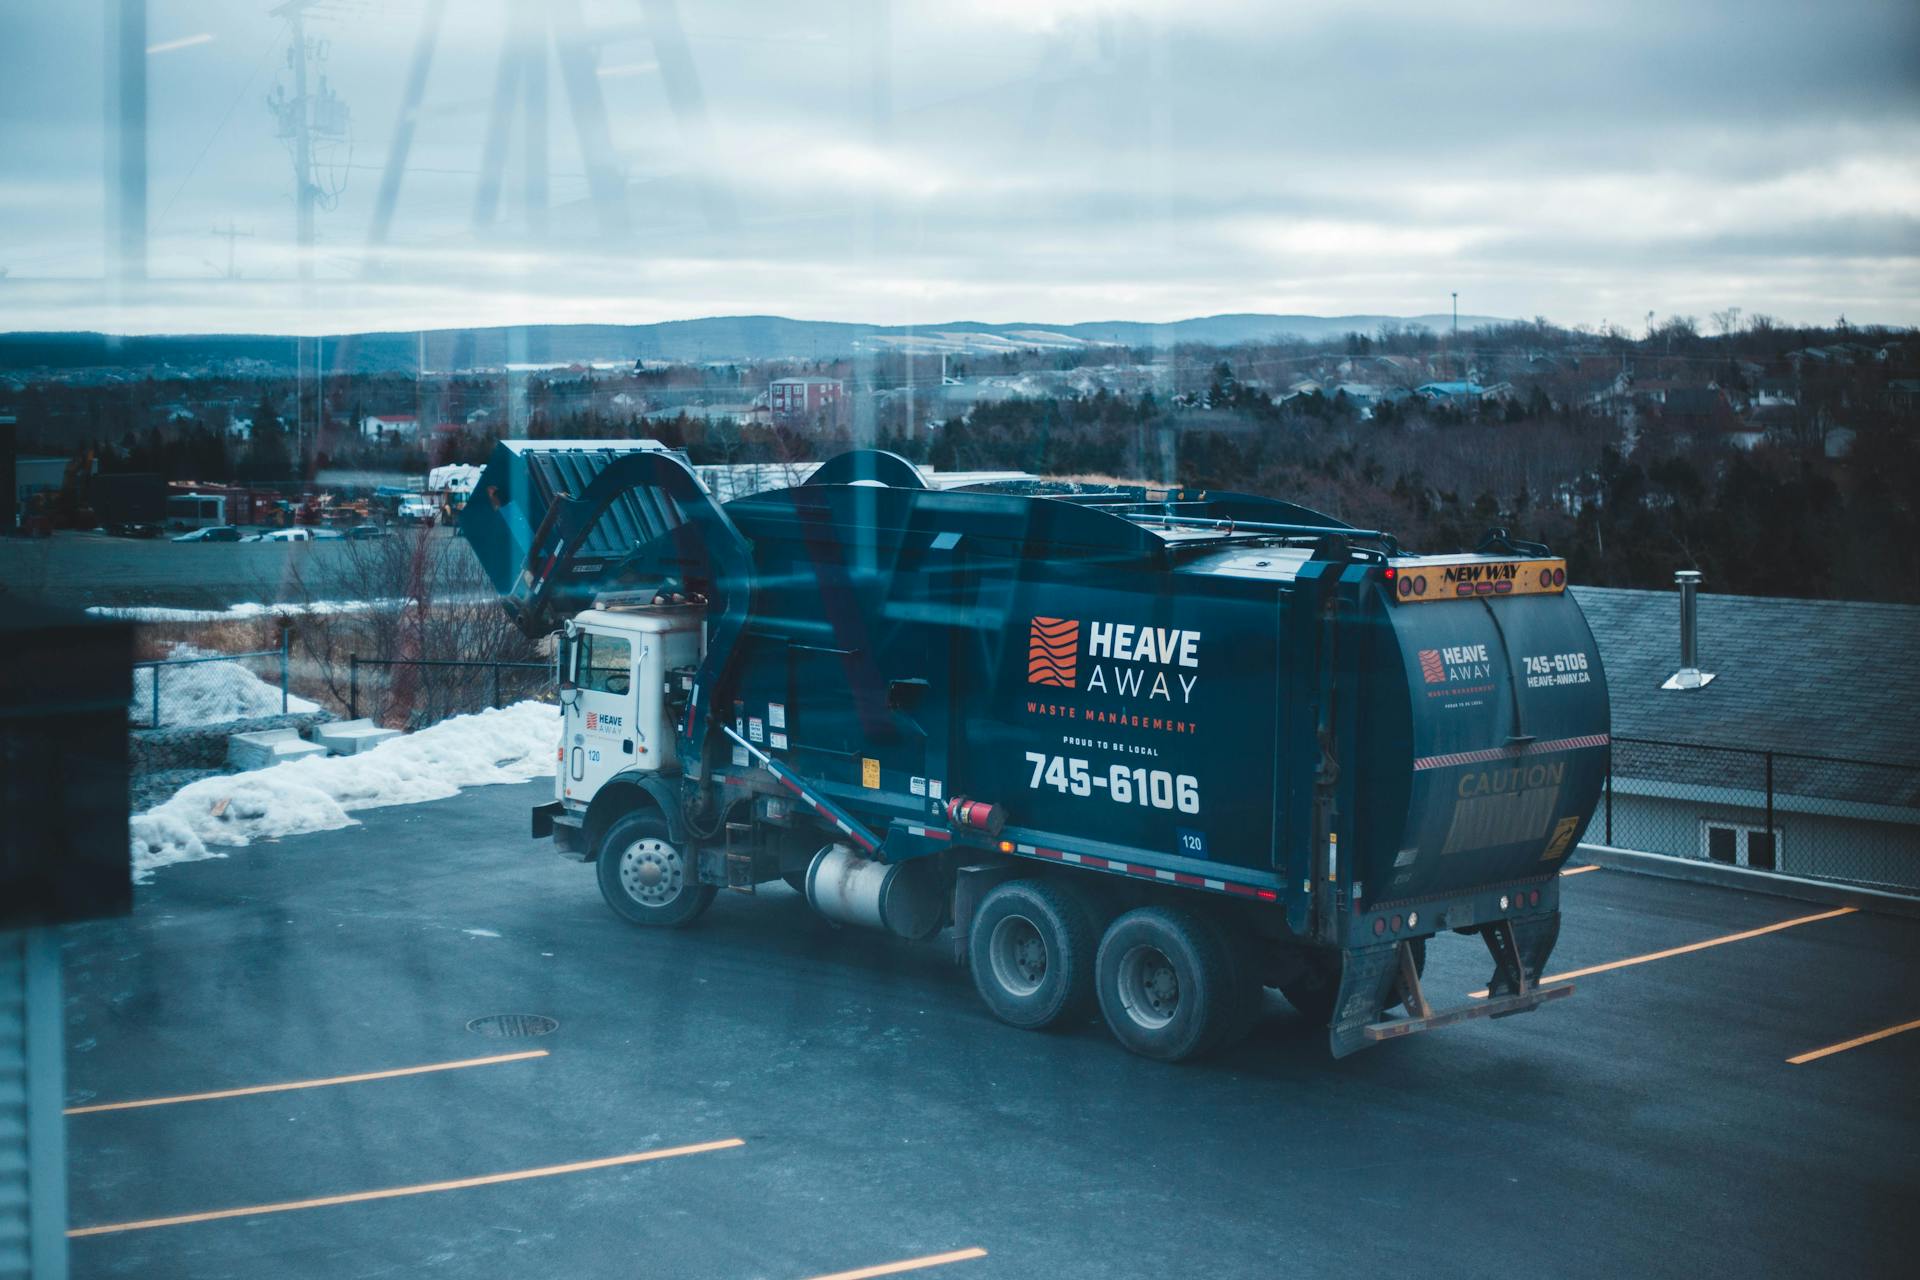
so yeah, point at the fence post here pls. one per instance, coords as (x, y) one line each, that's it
(156, 695)
(353, 686)
(285, 631)
(1770, 840)
(1610, 796)
(496, 684)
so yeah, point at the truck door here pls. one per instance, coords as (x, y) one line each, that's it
(600, 715)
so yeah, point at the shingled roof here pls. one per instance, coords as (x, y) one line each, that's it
(1825, 677)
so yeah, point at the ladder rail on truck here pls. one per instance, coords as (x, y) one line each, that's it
(1158, 750)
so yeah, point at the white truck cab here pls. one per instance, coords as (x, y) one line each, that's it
(614, 706)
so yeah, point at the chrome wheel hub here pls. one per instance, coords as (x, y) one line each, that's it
(1149, 987)
(652, 872)
(1019, 955)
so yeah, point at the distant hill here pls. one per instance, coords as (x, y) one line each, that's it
(726, 338)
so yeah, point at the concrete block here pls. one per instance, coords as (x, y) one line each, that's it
(350, 737)
(268, 747)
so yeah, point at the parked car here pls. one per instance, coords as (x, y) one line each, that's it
(367, 532)
(136, 529)
(327, 535)
(417, 511)
(212, 533)
(288, 535)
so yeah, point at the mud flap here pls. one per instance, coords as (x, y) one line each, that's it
(1533, 938)
(1366, 979)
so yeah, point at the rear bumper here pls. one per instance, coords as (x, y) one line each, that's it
(1372, 978)
(1496, 1007)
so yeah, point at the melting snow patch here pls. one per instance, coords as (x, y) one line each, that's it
(510, 744)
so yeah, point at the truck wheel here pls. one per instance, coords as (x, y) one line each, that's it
(1312, 992)
(1031, 950)
(1166, 983)
(647, 878)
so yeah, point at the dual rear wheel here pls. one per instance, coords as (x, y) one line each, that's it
(1170, 982)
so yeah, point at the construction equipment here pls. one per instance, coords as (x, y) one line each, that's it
(1156, 750)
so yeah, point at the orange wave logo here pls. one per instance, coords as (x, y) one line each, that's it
(1053, 652)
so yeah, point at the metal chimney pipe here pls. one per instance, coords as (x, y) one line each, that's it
(1689, 676)
(1688, 581)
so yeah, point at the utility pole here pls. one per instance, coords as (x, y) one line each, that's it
(230, 233)
(1456, 331)
(306, 118)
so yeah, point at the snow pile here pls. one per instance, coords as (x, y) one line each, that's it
(248, 611)
(509, 744)
(207, 693)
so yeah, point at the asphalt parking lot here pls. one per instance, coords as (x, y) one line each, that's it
(766, 1096)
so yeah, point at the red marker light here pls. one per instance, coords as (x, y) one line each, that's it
(1379, 926)
(1389, 571)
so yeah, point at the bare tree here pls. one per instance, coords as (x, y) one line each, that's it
(404, 604)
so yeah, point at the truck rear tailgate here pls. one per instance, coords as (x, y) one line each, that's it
(1509, 718)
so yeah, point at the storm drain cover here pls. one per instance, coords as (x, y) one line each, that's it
(512, 1026)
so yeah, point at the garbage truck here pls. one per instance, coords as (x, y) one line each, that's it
(1145, 751)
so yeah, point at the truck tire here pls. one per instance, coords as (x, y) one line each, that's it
(1166, 983)
(1031, 950)
(1313, 992)
(647, 878)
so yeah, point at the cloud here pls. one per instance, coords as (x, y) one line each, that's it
(1048, 162)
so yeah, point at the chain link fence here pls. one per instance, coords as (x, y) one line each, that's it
(411, 693)
(192, 687)
(1821, 817)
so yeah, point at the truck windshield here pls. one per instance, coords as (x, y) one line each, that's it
(605, 663)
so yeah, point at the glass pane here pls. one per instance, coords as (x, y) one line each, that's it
(607, 664)
(1760, 850)
(1720, 843)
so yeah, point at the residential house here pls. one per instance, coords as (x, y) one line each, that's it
(795, 400)
(1458, 393)
(389, 426)
(1704, 412)
(1764, 766)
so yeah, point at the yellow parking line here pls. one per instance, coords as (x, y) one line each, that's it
(911, 1264)
(1574, 871)
(1691, 946)
(1854, 1043)
(306, 1084)
(390, 1193)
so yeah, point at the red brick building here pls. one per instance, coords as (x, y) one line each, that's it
(795, 400)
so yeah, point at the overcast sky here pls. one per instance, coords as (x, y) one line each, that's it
(1038, 160)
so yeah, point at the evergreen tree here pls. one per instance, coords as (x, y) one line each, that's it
(267, 456)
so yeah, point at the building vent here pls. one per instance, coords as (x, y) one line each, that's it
(1689, 676)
